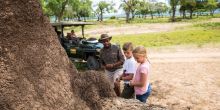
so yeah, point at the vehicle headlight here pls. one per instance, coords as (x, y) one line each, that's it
(73, 51)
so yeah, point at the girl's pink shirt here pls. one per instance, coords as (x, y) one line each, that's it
(142, 69)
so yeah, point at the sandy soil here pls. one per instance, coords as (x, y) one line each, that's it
(186, 78)
(139, 29)
(182, 77)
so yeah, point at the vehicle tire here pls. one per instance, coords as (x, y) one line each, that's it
(93, 63)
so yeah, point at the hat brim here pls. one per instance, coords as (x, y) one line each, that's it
(110, 37)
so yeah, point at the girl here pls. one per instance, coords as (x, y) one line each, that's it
(141, 79)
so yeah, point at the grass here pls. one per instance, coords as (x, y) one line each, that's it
(214, 25)
(197, 36)
(80, 65)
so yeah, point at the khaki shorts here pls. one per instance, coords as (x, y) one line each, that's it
(112, 76)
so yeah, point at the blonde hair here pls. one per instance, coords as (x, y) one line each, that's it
(127, 46)
(142, 51)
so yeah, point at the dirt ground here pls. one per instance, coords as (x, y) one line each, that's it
(182, 77)
(186, 77)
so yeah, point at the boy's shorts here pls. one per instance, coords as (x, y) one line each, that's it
(128, 91)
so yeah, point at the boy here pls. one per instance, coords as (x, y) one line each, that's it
(129, 71)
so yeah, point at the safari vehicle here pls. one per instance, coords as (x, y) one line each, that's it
(80, 48)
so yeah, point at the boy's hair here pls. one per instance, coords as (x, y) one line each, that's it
(140, 50)
(127, 46)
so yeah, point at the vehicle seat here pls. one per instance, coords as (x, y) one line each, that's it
(90, 40)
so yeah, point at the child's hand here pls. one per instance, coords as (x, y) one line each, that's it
(108, 66)
(118, 79)
(117, 82)
(131, 83)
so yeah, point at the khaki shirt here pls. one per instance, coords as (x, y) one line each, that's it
(111, 55)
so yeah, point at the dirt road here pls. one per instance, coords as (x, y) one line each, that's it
(140, 28)
(186, 78)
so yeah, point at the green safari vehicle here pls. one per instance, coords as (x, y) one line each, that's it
(80, 48)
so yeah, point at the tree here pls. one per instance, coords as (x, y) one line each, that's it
(189, 5)
(129, 6)
(81, 8)
(160, 8)
(134, 6)
(143, 8)
(103, 6)
(85, 9)
(211, 6)
(45, 8)
(200, 7)
(183, 8)
(173, 4)
(127, 11)
(218, 5)
(57, 8)
(152, 9)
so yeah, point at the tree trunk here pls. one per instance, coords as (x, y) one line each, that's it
(211, 12)
(62, 10)
(151, 14)
(158, 14)
(173, 14)
(191, 12)
(184, 13)
(101, 17)
(98, 18)
(132, 14)
(78, 18)
(127, 17)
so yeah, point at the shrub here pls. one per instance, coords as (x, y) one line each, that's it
(112, 17)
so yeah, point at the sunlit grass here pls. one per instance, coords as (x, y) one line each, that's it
(211, 25)
(180, 37)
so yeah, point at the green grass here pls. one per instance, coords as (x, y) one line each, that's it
(197, 36)
(211, 25)
(80, 65)
(197, 19)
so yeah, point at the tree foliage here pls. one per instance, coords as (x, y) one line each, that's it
(103, 7)
(81, 8)
(161, 8)
(143, 8)
(67, 8)
(211, 6)
(57, 7)
(187, 5)
(130, 7)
